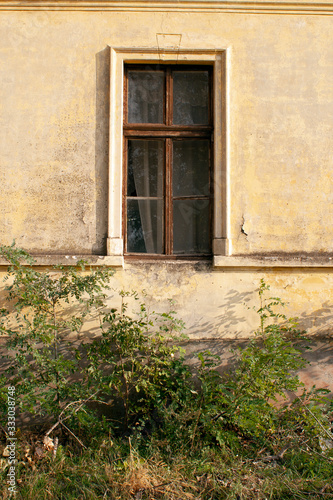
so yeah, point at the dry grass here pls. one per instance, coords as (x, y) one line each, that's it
(151, 479)
(119, 472)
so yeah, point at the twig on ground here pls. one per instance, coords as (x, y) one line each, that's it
(278, 456)
(72, 433)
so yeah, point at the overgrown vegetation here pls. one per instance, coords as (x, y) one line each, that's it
(43, 321)
(123, 416)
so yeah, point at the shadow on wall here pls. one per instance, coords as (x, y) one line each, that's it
(217, 312)
(102, 148)
(320, 321)
(232, 314)
(319, 371)
(320, 354)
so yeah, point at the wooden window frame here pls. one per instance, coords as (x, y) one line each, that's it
(168, 132)
(221, 60)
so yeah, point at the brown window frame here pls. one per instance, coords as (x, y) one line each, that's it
(168, 132)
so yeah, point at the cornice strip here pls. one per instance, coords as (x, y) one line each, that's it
(273, 262)
(240, 262)
(71, 260)
(232, 6)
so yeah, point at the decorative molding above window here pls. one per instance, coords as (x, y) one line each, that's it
(316, 7)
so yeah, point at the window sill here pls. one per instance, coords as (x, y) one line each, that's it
(167, 258)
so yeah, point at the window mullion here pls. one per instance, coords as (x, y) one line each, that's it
(168, 166)
(168, 197)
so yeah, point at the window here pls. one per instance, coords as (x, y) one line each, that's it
(168, 131)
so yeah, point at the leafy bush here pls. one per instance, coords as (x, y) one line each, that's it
(134, 363)
(243, 403)
(267, 368)
(137, 371)
(137, 361)
(42, 323)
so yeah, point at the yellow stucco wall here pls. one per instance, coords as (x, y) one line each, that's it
(54, 150)
(54, 113)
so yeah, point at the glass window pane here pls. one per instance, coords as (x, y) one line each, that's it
(191, 226)
(190, 167)
(190, 97)
(145, 168)
(145, 226)
(145, 96)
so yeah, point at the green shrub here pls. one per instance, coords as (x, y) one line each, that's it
(267, 368)
(137, 370)
(137, 362)
(42, 323)
(243, 403)
(133, 366)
